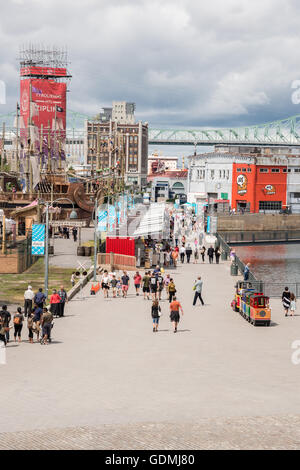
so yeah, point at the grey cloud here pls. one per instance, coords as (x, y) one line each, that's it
(184, 63)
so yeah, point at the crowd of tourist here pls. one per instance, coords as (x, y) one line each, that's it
(38, 317)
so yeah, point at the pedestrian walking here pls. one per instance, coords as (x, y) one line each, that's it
(247, 271)
(146, 285)
(5, 321)
(286, 300)
(166, 283)
(202, 252)
(54, 303)
(160, 281)
(18, 324)
(293, 304)
(198, 291)
(39, 298)
(155, 313)
(105, 281)
(113, 284)
(73, 279)
(36, 320)
(30, 327)
(125, 284)
(175, 306)
(171, 290)
(196, 255)
(119, 287)
(174, 257)
(153, 285)
(210, 253)
(137, 282)
(188, 252)
(74, 233)
(28, 298)
(217, 254)
(63, 299)
(46, 322)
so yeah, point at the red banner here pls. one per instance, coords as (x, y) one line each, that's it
(47, 96)
(60, 72)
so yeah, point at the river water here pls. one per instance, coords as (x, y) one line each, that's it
(272, 263)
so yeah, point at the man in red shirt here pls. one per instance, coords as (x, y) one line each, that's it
(175, 306)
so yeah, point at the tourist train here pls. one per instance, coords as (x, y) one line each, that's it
(253, 306)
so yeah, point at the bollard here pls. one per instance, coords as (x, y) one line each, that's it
(234, 269)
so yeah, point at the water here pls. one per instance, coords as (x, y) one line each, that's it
(272, 263)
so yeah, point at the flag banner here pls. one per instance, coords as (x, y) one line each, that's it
(38, 239)
(35, 170)
(102, 220)
(112, 217)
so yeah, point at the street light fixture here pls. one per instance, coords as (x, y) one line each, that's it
(73, 216)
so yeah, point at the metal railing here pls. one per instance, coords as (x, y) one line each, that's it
(257, 236)
(271, 289)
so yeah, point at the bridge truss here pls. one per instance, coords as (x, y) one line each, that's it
(284, 132)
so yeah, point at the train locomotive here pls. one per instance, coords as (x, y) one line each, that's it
(253, 306)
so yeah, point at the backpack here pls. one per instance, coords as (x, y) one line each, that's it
(17, 320)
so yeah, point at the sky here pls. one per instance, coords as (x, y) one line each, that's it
(184, 63)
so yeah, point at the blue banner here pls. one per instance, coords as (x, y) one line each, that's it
(102, 220)
(38, 239)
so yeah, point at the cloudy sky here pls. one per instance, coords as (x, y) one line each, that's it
(183, 62)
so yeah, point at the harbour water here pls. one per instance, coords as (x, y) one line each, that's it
(272, 263)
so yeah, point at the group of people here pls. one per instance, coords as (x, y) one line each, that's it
(64, 232)
(39, 318)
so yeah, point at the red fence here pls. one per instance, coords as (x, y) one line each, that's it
(117, 261)
(121, 246)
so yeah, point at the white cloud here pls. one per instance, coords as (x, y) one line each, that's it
(183, 62)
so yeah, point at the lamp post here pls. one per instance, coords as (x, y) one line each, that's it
(73, 215)
(95, 241)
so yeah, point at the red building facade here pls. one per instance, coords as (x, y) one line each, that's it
(258, 187)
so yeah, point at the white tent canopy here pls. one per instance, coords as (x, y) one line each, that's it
(153, 221)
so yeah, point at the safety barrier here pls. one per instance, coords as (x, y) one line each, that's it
(95, 288)
(115, 261)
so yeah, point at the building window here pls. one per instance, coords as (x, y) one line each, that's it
(244, 169)
(249, 170)
(297, 170)
(270, 205)
(275, 170)
(238, 169)
(220, 174)
(263, 170)
(212, 174)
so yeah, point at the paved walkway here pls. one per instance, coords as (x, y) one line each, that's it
(107, 372)
(65, 251)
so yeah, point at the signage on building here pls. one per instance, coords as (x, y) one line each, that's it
(242, 184)
(269, 189)
(48, 104)
(38, 239)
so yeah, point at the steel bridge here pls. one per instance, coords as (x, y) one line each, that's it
(284, 132)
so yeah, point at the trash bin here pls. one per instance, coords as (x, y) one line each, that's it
(224, 255)
(234, 269)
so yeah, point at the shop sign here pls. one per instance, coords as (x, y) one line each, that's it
(242, 184)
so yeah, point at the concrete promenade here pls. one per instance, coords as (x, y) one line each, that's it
(107, 381)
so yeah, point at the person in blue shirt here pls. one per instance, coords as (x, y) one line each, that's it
(63, 299)
(246, 272)
(40, 298)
